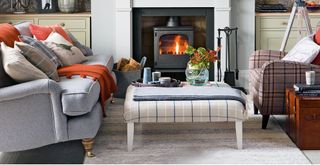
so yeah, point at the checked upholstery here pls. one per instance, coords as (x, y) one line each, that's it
(269, 76)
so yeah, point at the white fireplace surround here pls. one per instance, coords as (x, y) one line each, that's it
(124, 18)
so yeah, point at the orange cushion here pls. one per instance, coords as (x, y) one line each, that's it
(42, 32)
(316, 61)
(8, 34)
(317, 36)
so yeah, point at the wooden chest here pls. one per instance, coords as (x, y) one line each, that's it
(303, 120)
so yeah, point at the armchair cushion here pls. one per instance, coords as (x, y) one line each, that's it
(79, 95)
(306, 50)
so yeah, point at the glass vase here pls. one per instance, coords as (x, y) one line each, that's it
(197, 76)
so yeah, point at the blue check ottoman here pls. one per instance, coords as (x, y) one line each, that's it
(195, 111)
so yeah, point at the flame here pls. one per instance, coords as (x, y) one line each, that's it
(177, 47)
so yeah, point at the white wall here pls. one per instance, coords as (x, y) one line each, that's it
(103, 26)
(242, 16)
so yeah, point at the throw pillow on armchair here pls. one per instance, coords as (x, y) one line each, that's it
(305, 51)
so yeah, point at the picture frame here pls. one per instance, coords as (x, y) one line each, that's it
(47, 6)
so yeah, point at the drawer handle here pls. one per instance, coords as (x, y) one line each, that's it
(62, 24)
(284, 23)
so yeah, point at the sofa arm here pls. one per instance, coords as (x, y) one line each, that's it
(260, 57)
(31, 115)
(29, 88)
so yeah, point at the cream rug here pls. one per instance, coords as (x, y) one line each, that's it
(192, 142)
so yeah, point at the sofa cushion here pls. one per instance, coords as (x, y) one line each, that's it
(5, 80)
(68, 55)
(42, 32)
(23, 28)
(8, 34)
(106, 61)
(84, 49)
(58, 39)
(43, 48)
(38, 59)
(18, 67)
(79, 95)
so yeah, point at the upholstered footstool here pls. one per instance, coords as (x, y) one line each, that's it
(168, 108)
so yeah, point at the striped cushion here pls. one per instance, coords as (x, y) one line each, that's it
(43, 48)
(182, 111)
(268, 83)
(38, 59)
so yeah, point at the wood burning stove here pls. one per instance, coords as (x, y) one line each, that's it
(170, 43)
(147, 24)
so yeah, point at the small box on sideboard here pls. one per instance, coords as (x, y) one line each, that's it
(303, 119)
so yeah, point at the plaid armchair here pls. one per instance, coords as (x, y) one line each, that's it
(269, 76)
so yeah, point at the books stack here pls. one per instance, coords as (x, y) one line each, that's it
(307, 90)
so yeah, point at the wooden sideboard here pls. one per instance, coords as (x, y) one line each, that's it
(79, 24)
(303, 120)
(270, 29)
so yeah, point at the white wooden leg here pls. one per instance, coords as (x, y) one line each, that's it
(130, 134)
(239, 134)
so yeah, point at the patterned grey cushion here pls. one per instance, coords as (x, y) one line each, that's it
(5, 80)
(42, 47)
(38, 59)
(84, 49)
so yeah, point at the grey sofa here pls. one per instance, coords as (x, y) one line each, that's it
(42, 112)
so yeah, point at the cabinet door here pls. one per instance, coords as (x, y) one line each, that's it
(272, 39)
(81, 36)
(79, 26)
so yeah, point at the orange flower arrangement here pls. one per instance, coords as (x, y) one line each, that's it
(201, 57)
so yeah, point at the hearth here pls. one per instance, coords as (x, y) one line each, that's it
(170, 43)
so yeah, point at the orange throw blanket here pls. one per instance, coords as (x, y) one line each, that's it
(97, 72)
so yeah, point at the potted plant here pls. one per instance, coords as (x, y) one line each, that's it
(197, 72)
